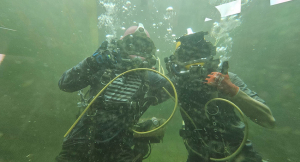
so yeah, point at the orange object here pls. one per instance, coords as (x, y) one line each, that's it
(223, 83)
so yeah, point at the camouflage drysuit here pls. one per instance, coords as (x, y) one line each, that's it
(104, 133)
(219, 130)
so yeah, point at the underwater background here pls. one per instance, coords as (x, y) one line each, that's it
(42, 39)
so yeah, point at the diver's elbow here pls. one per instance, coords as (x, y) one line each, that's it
(63, 86)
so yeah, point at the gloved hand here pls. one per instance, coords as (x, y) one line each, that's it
(223, 83)
(98, 55)
(100, 58)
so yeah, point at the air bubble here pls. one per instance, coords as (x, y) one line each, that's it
(169, 9)
(128, 3)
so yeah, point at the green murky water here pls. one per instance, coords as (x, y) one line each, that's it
(42, 39)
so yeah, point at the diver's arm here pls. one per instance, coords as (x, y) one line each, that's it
(248, 101)
(157, 87)
(252, 105)
(255, 110)
(78, 77)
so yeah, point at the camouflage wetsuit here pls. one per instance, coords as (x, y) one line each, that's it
(219, 128)
(103, 134)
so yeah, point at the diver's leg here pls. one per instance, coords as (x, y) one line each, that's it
(114, 152)
(126, 154)
(78, 144)
(72, 154)
(192, 158)
(196, 158)
(141, 149)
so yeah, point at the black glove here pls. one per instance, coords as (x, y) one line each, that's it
(96, 61)
(99, 55)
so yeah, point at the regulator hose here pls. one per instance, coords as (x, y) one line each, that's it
(137, 69)
(244, 119)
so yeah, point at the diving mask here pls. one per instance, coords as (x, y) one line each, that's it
(199, 68)
(138, 48)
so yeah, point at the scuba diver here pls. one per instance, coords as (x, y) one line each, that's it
(104, 133)
(215, 131)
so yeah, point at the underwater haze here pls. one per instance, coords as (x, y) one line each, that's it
(42, 39)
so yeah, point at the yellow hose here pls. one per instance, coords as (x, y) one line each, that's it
(186, 115)
(137, 69)
(205, 106)
(174, 110)
(243, 118)
(162, 69)
(159, 67)
(245, 134)
(217, 41)
(220, 99)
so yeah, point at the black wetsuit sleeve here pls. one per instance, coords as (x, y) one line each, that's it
(79, 76)
(156, 84)
(243, 87)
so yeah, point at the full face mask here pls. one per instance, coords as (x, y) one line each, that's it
(193, 57)
(137, 50)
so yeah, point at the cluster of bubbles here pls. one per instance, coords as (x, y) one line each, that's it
(110, 21)
(165, 24)
(114, 9)
(221, 30)
(127, 12)
(168, 16)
